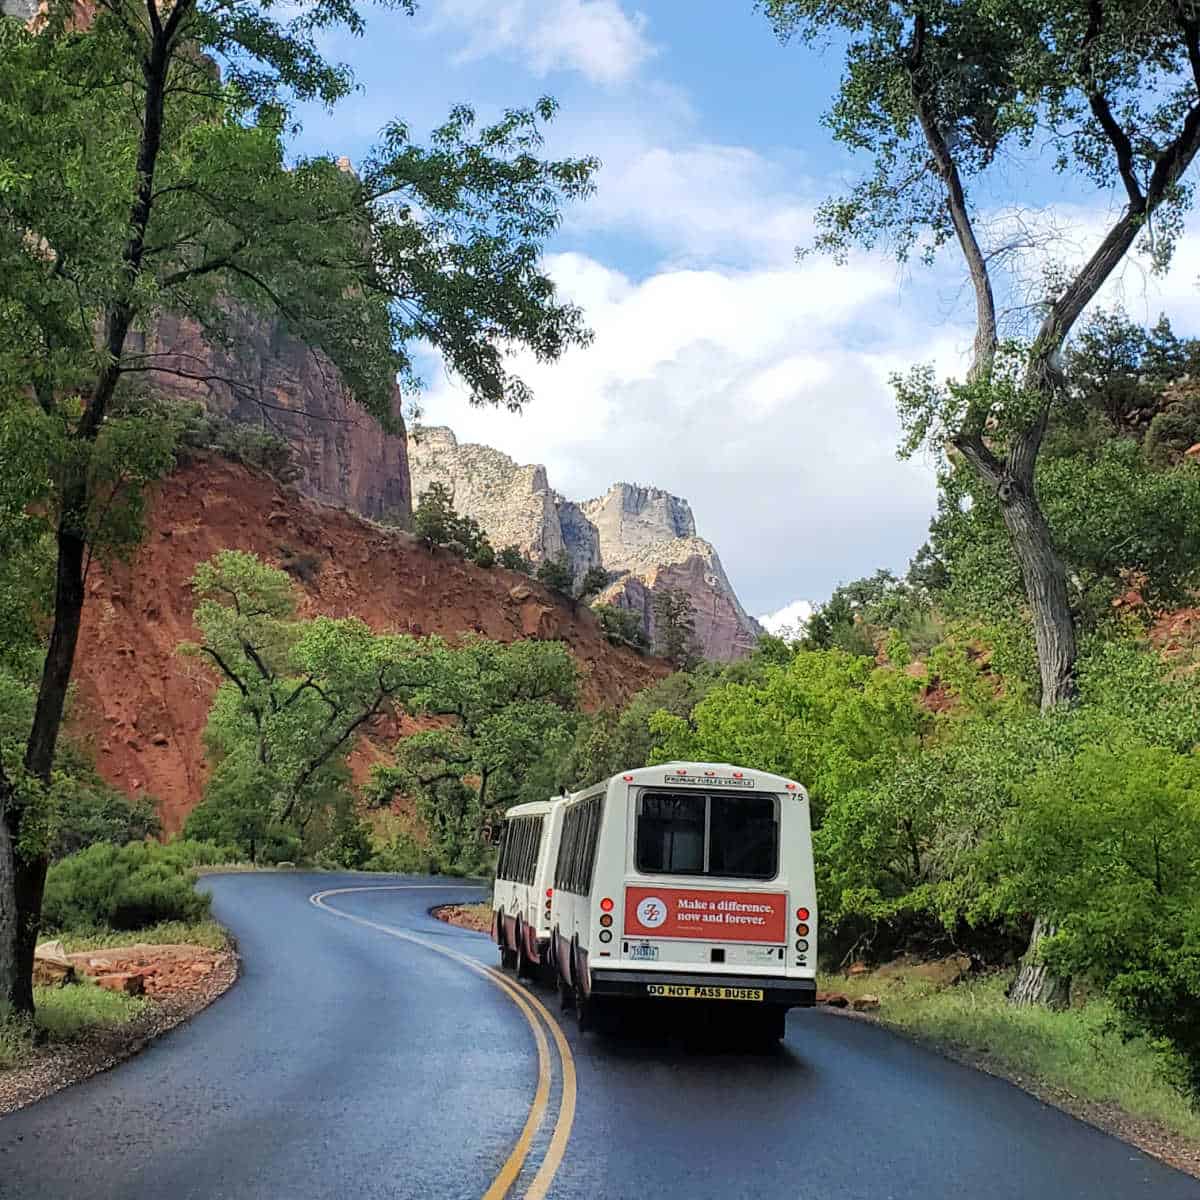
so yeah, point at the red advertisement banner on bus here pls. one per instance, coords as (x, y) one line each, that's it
(718, 916)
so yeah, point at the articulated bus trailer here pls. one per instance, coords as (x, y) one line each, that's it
(687, 881)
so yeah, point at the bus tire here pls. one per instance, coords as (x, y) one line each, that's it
(566, 994)
(584, 1014)
(524, 970)
(508, 958)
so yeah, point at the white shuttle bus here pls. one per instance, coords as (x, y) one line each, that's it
(687, 881)
(524, 882)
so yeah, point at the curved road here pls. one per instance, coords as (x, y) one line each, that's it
(363, 1055)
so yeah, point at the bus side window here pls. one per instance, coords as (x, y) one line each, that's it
(537, 849)
(570, 847)
(502, 857)
(559, 863)
(591, 840)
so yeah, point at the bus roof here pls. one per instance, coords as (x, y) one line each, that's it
(658, 775)
(535, 808)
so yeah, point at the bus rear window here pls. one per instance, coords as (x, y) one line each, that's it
(698, 834)
(743, 836)
(670, 834)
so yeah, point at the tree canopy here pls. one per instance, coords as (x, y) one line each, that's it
(941, 96)
(184, 198)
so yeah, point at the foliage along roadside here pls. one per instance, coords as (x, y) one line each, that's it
(98, 244)
(295, 694)
(1078, 1059)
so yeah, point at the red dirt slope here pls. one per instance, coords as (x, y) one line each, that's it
(144, 707)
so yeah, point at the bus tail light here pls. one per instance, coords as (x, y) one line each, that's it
(627, 778)
(606, 920)
(802, 930)
(791, 787)
(801, 945)
(550, 892)
(606, 936)
(802, 914)
(606, 905)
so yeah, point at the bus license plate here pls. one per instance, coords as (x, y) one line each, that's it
(686, 991)
(644, 951)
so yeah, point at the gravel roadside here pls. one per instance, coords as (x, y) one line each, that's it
(61, 1064)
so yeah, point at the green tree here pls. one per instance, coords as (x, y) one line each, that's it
(438, 523)
(941, 95)
(1107, 844)
(609, 742)
(511, 558)
(828, 718)
(435, 520)
(294, 694)
(675, 628)
(556, 574)
(183, 200)
(504, 709)
(595, 580)
(622, 626)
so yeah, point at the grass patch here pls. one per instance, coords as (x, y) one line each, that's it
(1078, 1051)
(65, 1015)
(72, 1012)
(167, 933)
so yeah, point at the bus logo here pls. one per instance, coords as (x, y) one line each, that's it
(651, 912)
(721, 781)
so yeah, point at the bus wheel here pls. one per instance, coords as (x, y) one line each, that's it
(508, 958)
(523, 969)
(566, 994)
(584, 1010)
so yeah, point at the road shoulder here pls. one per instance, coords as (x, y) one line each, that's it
(58, 1065)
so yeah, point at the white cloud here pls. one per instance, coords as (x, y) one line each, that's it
(702, 203)
(595, 37)
(756, 394)
(791, 618)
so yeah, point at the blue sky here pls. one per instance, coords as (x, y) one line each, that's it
(722, 369)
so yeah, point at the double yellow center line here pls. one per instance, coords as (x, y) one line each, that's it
(540, 1021)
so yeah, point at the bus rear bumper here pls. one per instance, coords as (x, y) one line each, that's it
(777, 990)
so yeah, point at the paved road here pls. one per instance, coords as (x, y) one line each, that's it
(354, 1061)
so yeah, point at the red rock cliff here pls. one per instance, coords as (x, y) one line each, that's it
(270, 378)
(144, 707)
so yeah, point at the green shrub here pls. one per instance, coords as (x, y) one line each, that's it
(1106, 844)
(349, 847)
(402, 855)
(622, 626)
(437, 523)
(513, 560)
(239, 441)
(556, 574)
(128, 887)
(90, 811)
(594, 581)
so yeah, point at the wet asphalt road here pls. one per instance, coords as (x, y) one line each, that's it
(349, 1063)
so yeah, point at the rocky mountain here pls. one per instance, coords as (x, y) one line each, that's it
(267, 377)
(646, 537)
(142, 707)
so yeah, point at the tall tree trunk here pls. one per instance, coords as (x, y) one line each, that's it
(1045, 579)
(28, 873)
(8, 896)
(27, 870)
(1035, 982)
